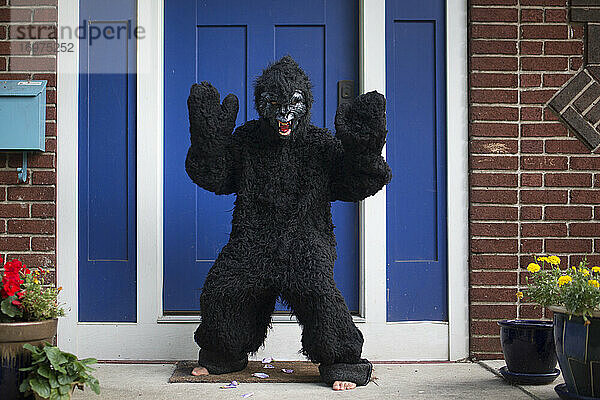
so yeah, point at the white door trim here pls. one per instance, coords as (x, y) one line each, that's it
(148, 339)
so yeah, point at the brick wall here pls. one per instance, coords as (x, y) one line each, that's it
(28, 210)
(535, 188)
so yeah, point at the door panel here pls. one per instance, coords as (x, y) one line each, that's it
(416, 152)
(229, 45)
(107, 120)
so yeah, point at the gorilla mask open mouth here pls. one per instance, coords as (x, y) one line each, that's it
(283, 112)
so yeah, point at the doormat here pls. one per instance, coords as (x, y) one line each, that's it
(303, 371)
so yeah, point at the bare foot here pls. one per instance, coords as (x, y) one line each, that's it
(343, 385)
(199, 371)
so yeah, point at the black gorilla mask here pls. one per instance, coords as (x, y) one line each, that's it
(283, 97)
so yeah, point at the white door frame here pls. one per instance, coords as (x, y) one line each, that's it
(154, 337)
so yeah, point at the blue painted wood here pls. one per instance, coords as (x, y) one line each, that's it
(23, 115)
(229, 45)
(416, 152)
(107, 158)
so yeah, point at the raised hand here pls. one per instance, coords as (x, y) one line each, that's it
(207, 115)
(362, 122)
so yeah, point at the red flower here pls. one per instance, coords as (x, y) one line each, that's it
(17, 303)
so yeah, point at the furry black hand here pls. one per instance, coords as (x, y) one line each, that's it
(362, 122)
(207, 115)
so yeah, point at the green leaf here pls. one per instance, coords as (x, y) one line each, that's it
(24, 385)
(53, 381)
(8, 308)
(64, 389)
(31, 348)
(55, 357)
(88, 361)
(44, 370)
(65, 379)
(40, 387)
(94, 385)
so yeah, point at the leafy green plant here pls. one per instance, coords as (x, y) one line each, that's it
(54, 374)
(577, 289)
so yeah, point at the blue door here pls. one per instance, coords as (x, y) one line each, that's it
(228, 44)
(107, 176)
(416, 152)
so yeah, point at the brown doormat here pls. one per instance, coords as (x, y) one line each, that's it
(304, 371)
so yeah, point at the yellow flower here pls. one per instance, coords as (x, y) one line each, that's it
(543, 259)
(564, 280)
(519, 295)
(596, 269)
(594, 282)
(554, 260)
(574, 269)
(585, 271)
(533, 267)
(36, 281)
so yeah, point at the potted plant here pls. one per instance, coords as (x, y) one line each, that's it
(28, 314)
(573, 294)
(55, 374)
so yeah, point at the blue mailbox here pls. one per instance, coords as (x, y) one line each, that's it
(23, 118)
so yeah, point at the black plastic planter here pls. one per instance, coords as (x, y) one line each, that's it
(529, 352)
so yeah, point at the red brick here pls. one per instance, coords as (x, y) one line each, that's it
(544, 63)
(567, 213)
(507, 262)
(597, 180)
(31, 193)
(539, 130)
(494, 229)
(492, 294)
(32, 31)
(15, 15)
(2, 226)
(32, 64)
(43, 178)
(2, 32)
(592, 260)
(556, 80)
(35, 160)
(36, 260)
(544, 196)
(532, 15)
(575, 63)
(12, 243)
(2, 64)
(494, 96)
(531, 245)
(44, 48)
(531, 80)
(493, 47)
(491, 213)
(568, 180)
(585, 196)
(43, 243)
(50, 144)
(584, 229)
(556, 15)
(493, 80)
(544, 32)
(493, 278)
(2, 194)
(50, 96)
(31, 226)
(532, 146)
(597, 216)
(45, 15)
(43, 210)
(485, 327)
(577, 31)
(33, 2)
(51, 78)
(531, 180)
(494, 15)
(544, 162)
(585, 163)
(493, 180)
(566, 146)
(530, 213)
(563, 48)
(50, 129)
(486, 344)
(14, 76)
(485, 113)
(494, 245)
(494, 129)
(494, 162)
(494, 196)
(568, 245)
(493, 146)
(493, 2)
(531, 311)
(9, 177)
(485, 31)
(493, 311)
(14, 211)
(494, 63)
(536, 96)
(543, 230)
(14, 48)
(50, 113)
(530, 47)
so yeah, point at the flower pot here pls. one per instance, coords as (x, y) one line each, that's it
(528, 346)
(578, 350)
(13, 335)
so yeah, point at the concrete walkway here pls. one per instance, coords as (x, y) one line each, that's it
(476, 381)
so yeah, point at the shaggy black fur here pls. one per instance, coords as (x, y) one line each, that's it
(282, 241)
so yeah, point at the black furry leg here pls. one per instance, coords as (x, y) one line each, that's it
(329, 336)
(235, 317)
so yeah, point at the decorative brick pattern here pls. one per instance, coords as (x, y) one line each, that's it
(533, 184)
(28, 210)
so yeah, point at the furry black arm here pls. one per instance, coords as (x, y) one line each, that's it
(359, 170)
(214, 154)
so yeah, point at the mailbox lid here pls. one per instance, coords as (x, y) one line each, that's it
(22, 88)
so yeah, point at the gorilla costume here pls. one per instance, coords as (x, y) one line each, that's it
(285, 174)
